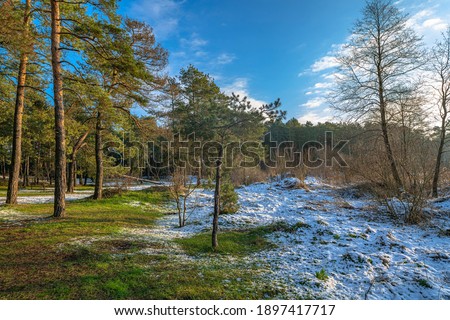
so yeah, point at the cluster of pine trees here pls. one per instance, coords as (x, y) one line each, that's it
(71, 73)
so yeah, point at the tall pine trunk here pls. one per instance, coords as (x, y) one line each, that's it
(215, 230)
(98, 192)
(16, 155)
(60, 135)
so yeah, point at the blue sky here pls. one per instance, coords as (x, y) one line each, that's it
(268, 49)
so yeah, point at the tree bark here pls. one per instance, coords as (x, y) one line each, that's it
(16, 156)
(75, 177)
(98, 192)
(71, 175)
(389, 153)
(38, 167)
(437, 169)
(200, 173)
(70, 172)
(215, 230)
(4, 168)
(384, 129)
(26, 173)
(60, 135)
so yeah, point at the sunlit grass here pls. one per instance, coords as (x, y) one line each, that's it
(87, 255)
(235, 243)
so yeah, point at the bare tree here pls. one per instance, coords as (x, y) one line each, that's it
(440, 66)
(374, 68)
(181, 189)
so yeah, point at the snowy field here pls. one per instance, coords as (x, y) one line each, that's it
(331, 243)
(340, 244)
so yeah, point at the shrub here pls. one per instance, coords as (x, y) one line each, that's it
(228, 198)
(408, 206)
(247, 176)
(112, 192)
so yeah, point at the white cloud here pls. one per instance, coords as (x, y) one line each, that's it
(194, 42)
(315, 103)
(195, 48)
(436, 24)
(178, 54)
(200, 54)
(314, 118)
(216, 77)
(323, 85)
(324, 63)
(430, 22)
(332, 76)
(422, 14)
(162, 15)
(240, 87)
(428, 19)
(225, 58)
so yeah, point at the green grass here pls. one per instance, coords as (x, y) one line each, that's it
(424, 283)
(282, 226)
(47, 258)
(236, 243)
(322, 275)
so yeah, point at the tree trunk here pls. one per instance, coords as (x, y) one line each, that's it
(16, 156)
(75, 182)
(437, 168)
(70, 173)
(38, 167)
(26, 173)
(72, 167)
(60, 135)
(384, 129)
(98, 158)
(4, 168)
(215, 231)
(199, 173)
(389, 153)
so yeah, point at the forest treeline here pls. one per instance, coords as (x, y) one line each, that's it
(72, 74)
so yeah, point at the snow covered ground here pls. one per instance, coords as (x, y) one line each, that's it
(333, 243)
(81, 194)
(341, 244)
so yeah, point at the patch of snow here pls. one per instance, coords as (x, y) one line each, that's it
(363, 252)
(78, 195)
